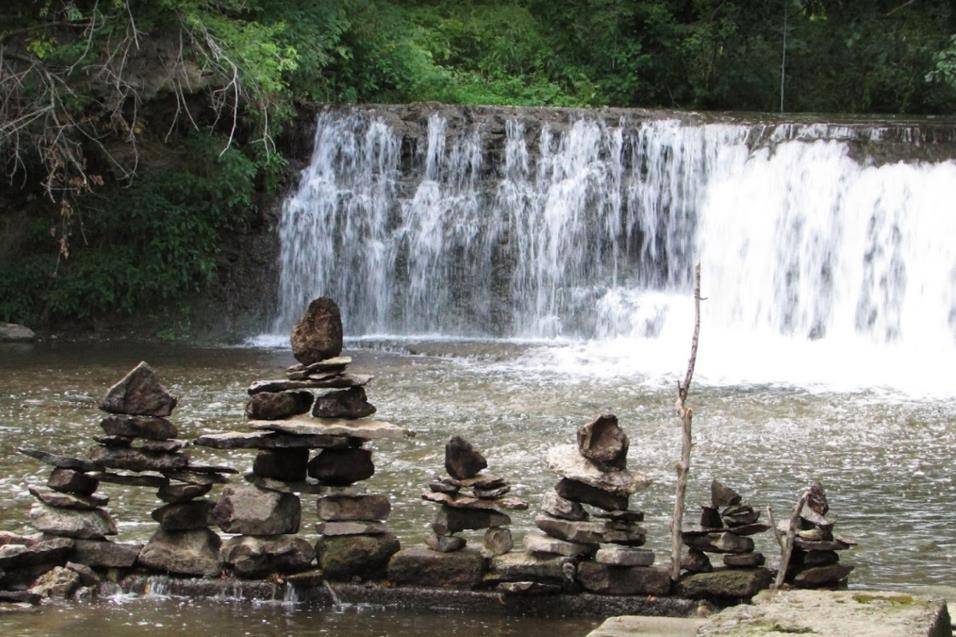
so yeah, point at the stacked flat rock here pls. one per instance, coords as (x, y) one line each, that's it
(815, 560)
(470, 499)
(726, 524)
(141, 448)
(608, 549)
(319, 406)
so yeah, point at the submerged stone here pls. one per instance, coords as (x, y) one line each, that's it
(365, 557)
(462, 460)
(139, 393)
(256, 557)
(421, 566)
(318, 334)
(603, 442)
(183, 552)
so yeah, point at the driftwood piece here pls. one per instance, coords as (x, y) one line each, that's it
(787, 548)
(686, 416)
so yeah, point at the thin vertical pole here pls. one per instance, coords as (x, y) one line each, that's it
(783, 55)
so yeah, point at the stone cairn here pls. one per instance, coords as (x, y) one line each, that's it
(482, 509)
(814, 561)
(608, 554)
(725, 526)
(266, 513)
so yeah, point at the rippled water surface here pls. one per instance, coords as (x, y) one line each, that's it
(886, 461)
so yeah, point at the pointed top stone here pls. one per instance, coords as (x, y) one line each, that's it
(462, 460)
(722, 496)
(139, 393)
(603, 442)
(318, 334)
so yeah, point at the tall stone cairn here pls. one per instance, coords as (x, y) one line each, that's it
(602, 555)
(726, 524)
(318, 406)
(815, 560)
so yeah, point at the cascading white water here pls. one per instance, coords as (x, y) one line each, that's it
(590, 230)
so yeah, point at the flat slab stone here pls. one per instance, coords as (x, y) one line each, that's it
(269, 484)
(148, 427)
(624, 556)
(351, 528)
(528, 588)
(197, 477)
(135, 460)
(518, 566)
(133, 480)
(334, 363)
(305, 425)
(50, 551)
(468, 502)
(870, 613)
(89, 525)
(567, 462)
(60, 500)
(634, 626)
(347, 508)
(724, 584)
(541, 543)
(337, 381)
(269, 440)
(421, 566)
(725, 542)
(586, 494)
(623, 580)
(60, 462)
(105, 554)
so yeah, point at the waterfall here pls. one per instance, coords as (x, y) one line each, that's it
(587, 227)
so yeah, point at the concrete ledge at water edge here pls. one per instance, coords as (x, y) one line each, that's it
(15, 333)
(835, 613)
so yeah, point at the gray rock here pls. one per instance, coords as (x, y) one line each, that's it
(450, 520)
(269, 440)
(482, 481)
(141, 480)
(88, 525)
(302, 486)
(105, 554)
(330, 381)
(184, 516)
(813, 576)
(19, 597)
(578, 532)
(60, 462)
(567, 462)
(318, 334)
(603, 442)
(739, 515)
(623, 580)
(621, 516)
(175, 493)
(139, 393)
(342, 466)
(8, 537)
(335, 364)
(744, 560)
(16, 333)
(349, 403)
(528, 588)
(287, 465)
(540, 543)
(48, 551)
(497, 541)
(420, 566)
(71, 481)
(201, 476)
(621, 556)
(444, 543)
(147, 427)
(278, 405)
(60, 500)
(722, 496)
(836, 544)
(365, 557)
(183, 552)
(710, 518)
(721, 542)
(751, 529)
(696, 561)
(815, 558)
(131, 459)
(345, 508)
(462, 460)
(256, 557)
(624, 533)
(724, 584)
(362, 429)
(586, 494)
(439, 486)
(351, 528)
(88, 576)
(57, 582)
(557, 507)
(468, 502)
(251, 511)
(519, 566)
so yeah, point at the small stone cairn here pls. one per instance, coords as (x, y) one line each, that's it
(608, 551)
(266, 513)
(725, 526)
(814, 562)
(481, 509)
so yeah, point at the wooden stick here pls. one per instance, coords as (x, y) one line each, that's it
(788, 541)
(686, 416)
(773, 526)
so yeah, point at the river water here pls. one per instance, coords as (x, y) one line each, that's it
(886, 459)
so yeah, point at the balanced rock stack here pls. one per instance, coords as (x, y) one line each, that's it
(267, 512)
(141, 441)
(470, 499)
(595, 473)
(725, 526)
(814, 561)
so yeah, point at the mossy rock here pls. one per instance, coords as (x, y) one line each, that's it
(725, 583)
